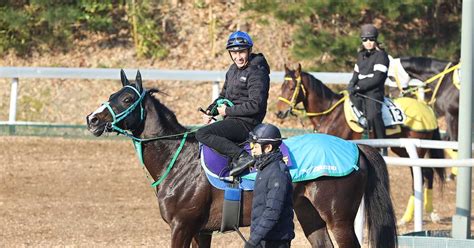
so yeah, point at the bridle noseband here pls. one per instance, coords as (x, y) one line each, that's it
(292, 103)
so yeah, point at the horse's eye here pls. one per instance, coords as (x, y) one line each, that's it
(127, 100)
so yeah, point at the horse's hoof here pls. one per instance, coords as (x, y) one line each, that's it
(451, 177)
(435, 217)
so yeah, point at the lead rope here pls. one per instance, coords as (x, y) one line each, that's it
(137, 142)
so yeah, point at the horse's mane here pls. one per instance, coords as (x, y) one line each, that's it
(421, 64)
(167, 118)
(316, 85)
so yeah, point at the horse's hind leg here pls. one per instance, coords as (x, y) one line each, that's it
(428, 175)
(202, 240)
(343, 234)
(313, 225)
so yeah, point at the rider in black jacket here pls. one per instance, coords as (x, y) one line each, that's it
(246, 86)
(272, 206)
(368, 79)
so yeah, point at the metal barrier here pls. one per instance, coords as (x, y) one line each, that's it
(416, 163)
(148, 74)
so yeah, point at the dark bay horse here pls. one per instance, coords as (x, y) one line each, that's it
(325, 207)
(445, 100)
(327, 116)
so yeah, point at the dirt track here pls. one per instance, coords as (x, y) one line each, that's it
(69, 192)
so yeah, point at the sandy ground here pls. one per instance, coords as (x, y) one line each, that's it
(93, 192)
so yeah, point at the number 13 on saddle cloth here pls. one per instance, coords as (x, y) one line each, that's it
(407, 112)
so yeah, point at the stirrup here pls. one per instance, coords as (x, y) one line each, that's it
(239, 164)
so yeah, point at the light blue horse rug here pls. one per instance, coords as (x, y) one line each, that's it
(308, 157)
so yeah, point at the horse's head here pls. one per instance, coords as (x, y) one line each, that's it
(123, 111)
(292, 92)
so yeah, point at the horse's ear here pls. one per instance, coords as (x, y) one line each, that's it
(123, 78)
(298, 70)
(287, 70)
(138, 81)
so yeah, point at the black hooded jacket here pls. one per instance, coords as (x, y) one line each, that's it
(248, 89)
(272, 206)
(370, 72)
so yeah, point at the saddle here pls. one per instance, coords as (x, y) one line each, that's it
(307, 156)
(217, 165)
(403, 111)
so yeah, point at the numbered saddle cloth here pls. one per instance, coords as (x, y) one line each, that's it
(308, 156)
(420, 116)
(392, 115)
(405, 111)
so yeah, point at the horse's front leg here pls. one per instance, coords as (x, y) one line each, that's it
(202, 240)
(182, 234)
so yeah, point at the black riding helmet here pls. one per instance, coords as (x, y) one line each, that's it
(266, 134)
(368, 31)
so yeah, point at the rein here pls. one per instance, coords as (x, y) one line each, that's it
(137, 142)
(440, 80)
(439, 76)
(447, 69)
(292, 103)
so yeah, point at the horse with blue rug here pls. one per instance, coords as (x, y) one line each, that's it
(331, 113)
(325, 205)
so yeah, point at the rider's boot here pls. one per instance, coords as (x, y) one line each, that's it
(240, 163)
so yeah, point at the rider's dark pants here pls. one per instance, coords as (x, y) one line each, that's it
(222, 136)
(373, 112)
(275, 244)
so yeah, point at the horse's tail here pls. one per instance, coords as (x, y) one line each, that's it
(379, 211)
(438, 153)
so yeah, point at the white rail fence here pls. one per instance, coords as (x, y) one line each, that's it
(15, 73)
(414, 161)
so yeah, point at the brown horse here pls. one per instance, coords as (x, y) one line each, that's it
(325, 207)
(327, 116)
(443, 92)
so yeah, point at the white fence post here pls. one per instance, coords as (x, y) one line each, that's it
(13, 104)
(417, 187)
(215, 90)
(13, 101)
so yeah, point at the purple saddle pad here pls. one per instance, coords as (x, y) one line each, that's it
(216, 164)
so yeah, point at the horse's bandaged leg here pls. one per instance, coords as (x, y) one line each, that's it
(408, 215)
(428, 200)
(454, 171)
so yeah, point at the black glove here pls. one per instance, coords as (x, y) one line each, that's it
(354, 90)
(209, 109)
(350, 88)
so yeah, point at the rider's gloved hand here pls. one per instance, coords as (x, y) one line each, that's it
(354, 90)
(209, 109)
